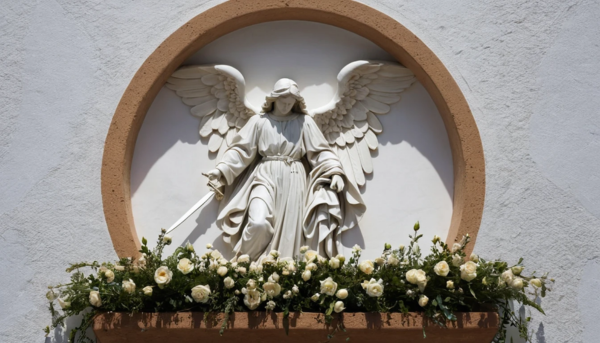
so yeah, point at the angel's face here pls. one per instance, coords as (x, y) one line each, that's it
(284, 105)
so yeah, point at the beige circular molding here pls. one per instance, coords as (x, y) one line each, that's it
(465, 143)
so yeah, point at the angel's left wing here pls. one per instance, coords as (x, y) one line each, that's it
(349, 122)
(216, 95)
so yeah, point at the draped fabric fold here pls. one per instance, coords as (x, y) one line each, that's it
(271, 203)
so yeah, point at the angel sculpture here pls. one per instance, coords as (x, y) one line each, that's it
(292, 178)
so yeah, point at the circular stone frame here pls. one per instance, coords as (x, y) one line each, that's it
(409, 50)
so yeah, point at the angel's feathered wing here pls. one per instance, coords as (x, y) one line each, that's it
(216, 95)
(349, 122)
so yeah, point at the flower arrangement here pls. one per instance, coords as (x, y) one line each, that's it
(400, 280)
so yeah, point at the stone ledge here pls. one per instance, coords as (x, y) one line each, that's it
(184, 327)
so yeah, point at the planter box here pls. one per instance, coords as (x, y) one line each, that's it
(249, 327)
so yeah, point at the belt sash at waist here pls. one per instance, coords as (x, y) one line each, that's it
(287, 159)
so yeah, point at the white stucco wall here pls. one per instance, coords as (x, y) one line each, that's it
(529, 70)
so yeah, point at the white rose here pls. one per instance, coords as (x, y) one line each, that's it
(228, 282)
(268, 260)
(64, 304)
(537, 283)
(142, 261)
(251, 284)
(310, 255)
(234, 265)
(442, 268)
(241, 270)
(342, 294)
(507, 276)
(200, 293)
(270, 306)
(147, 290)
(303, 249)
(128, 286)
(338, 307)
(341, 257)
(167, 239)
(356, 248)
(287, 295)
(274, 277)
(253, 267)
(213, 265)
(208, 246)
(311, 266)
(222, 271)
(373, 287)
(417, 277)
(380, 261)
(392, 260)
(51, 295)
(474, 257)
(274, 253)
(252, 299)
(95, 299)
(423, 300)
(295, 289)
(315, 297)
(455, 247)
(185, 266)
(272, 289)
(457, 260)
(517, 270)
(306, 275)
(110, 275)
(162, 276)
(223, 261)
(189, 247)
(517, 283)
(450, 284)
(120, 268)
(216, 255)
(243, 258)
(328, 286)
(366, 267)
(334, 263)
(468, 271)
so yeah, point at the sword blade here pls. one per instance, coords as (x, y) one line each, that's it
(194, 208)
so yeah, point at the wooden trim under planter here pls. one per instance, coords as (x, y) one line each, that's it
(248, 327)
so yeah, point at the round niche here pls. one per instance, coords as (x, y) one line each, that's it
(423, 166)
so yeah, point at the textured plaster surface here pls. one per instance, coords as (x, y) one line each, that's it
(529, 71)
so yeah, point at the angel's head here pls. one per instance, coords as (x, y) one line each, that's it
(285, 99)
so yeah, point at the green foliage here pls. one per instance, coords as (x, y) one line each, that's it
(401, 280)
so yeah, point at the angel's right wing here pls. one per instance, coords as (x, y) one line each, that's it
(349, 122)
(216, 94)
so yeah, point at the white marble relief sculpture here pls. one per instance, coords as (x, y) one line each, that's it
(291, 176)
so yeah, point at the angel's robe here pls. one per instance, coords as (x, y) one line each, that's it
(271, 202)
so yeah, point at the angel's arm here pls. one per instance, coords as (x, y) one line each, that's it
(318, 152)
(241, 152)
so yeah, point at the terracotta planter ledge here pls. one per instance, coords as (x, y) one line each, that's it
(473, 327)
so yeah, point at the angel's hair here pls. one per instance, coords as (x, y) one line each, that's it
(285, 87)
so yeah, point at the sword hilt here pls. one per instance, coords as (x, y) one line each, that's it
(216, 186)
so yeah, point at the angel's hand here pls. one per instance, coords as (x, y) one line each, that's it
(214, 174)
(337, 183)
